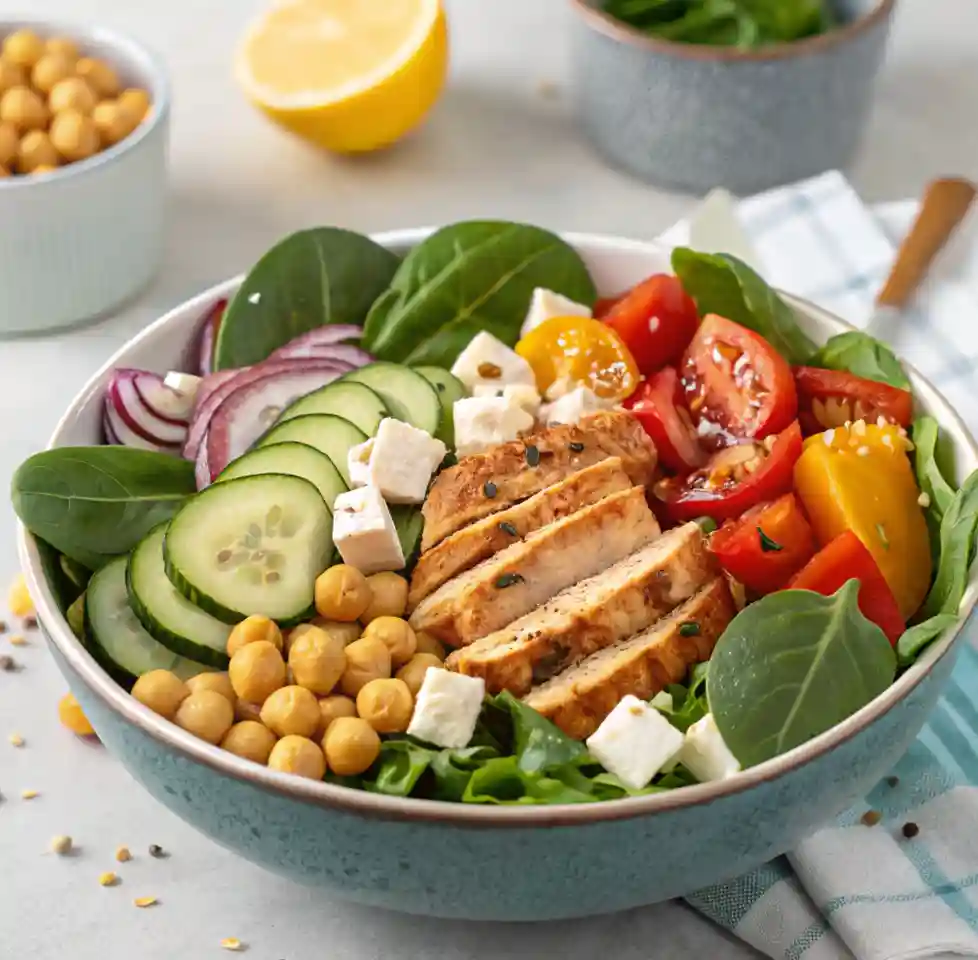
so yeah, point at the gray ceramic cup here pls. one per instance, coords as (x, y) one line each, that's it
(696, 117)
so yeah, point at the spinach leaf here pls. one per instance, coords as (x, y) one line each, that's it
(468, 277)
(64, 588)
(862, 355)
(503, 781)
(925, 434)
(537, 744)
(689, 704)
(791, 666)
(94, 503)
(959, 528)
(398, 768)
(722, 284)
(309, 279)
(921, 635)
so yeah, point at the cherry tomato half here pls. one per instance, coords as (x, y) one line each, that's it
(659, 406)
(767, 546)
(846, 558)
(734, 479)
(736, 382)
(830, 398)
(656, 319)
(603, 306)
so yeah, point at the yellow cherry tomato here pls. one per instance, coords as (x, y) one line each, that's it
(578, 350)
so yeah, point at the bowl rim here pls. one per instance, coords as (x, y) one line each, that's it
(142, 59)
(378, 806)
(615, 29)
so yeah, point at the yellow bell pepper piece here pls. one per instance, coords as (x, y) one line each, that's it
(858, 477)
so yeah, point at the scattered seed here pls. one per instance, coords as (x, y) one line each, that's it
(155, 850)
(862, 452)
(7, 664)
(30, 623)
(892, 781)
(145, 901)
(871, 817)
(509, 579)
(16, 640)
(489, 489)
(3, 626)
(28, 794)
(61, 845)
(576, 446)
(489, 371)
(689, 629)
(19, 600)
(108, 879)
(16, 740)
(123, 855)
(532, 455)
(224, 556)
(910, 830)
(923, 500)
(233, 944)
(507, 527)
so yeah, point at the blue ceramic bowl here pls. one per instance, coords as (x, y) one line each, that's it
(697, 117)
(499, 863)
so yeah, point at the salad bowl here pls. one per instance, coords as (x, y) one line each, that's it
(515, 863)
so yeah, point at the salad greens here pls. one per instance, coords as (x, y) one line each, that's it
(959, 530)
(921, 635)
(925, 434)
(466, 278)
(793, 665)
(865, 356)
(683, 705)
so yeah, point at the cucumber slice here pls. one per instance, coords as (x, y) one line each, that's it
(355, 402)
(449, 389)
(295, 459)
(165, 613)
(117, 639)
(325, 432)
(407, 394)
(409, 524)
(251, 545)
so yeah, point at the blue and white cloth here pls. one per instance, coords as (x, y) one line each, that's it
(852, 891)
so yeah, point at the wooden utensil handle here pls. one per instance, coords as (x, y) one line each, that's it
(944, 205)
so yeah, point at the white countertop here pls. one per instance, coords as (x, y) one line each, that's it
(498, 145)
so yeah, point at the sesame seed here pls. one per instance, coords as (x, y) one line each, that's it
(828, 437)
(123, 855)
(233, 944)
(871, 817)
(28, 794)
(923, 500)
(108, 879)
(910, 830)
(887, 441)
(17, 641)
(863, 452)
(881, 421)
(145, 901)
(16, 740)
(859, 428)
(61, 845)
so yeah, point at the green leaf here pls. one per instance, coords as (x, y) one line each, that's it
(958, 538)
(538, 744)
(309, 279)
(502, 781)
(722, 284)
(465, 278)
(925, 434)
(75, 615)
(689, 704)
(793, 665)
(398, 768)
(864, 356)
(94, 503)
(921, 635)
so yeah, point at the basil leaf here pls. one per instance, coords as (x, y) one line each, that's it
(921, 635)
(465, 278)
(793, 665)
(864, 356)
(309, 279)
(925, 434)
(722, 284)
(94, 503)
(959, 528)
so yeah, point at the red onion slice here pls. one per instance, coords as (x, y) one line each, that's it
(127, 402)
(308, 345)
(123, 434)
(207, 335)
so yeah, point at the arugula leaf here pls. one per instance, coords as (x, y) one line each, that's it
(722, 284)
(959, 534)
(864, 356)
(921, 635)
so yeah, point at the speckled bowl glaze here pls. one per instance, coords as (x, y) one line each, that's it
(499, 863)
(696, 117)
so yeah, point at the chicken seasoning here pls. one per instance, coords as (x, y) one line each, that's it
(509, 579)
(507, 527)
(689, 629)
(489, 489)
(576, 446)
(532, 455)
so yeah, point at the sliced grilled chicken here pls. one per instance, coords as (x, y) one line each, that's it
(486, 483)
(527, 574)
(578, 699)
(479, 541)
(595, 613)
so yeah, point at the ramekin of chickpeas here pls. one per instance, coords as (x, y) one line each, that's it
(83, 130)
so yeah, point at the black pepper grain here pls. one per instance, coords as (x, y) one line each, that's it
(576, 446)
(910, 830)
(507, 527)
(7, 664)
(489, 489)
(155, 850)
(532, 455)
(892, 781)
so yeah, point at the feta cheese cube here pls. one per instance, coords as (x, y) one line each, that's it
(399, 461)
(447, 708)
(364, 532)
(184, 387)
(519, 393)
(545, 305)
(483, 422)
(705, 755)
(635, 742)
(487, 361)
(572, 407)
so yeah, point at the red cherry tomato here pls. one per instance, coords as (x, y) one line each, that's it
(658, 405)
(830, 398)
(734, 479)
(737, 383)
(846, 558)
(656, 319)
(767, 546)
(603, 305)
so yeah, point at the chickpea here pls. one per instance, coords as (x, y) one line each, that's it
(254, 629)
(218, 682)
(98, 75)
(205, 714)
(35, 150)
(23, 47)
(44, 168)
(257, 670)
(332, 708)
(52, 68)
(251, 740)
(112, 122)
(161, 691)
(351, 746)
(396, 635)
(243, 710)
(24, 109)
(412, 673)
(72, 93)
(62, 47)
(299, 756)
(74, 135)
(11, 75)
(347, 632)
(426, 643)
(366, 659)
(9, 144)
(386, 705)
(317, 660)
(291, 710)
(390, 593)
(134, 102)
(342, 593)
